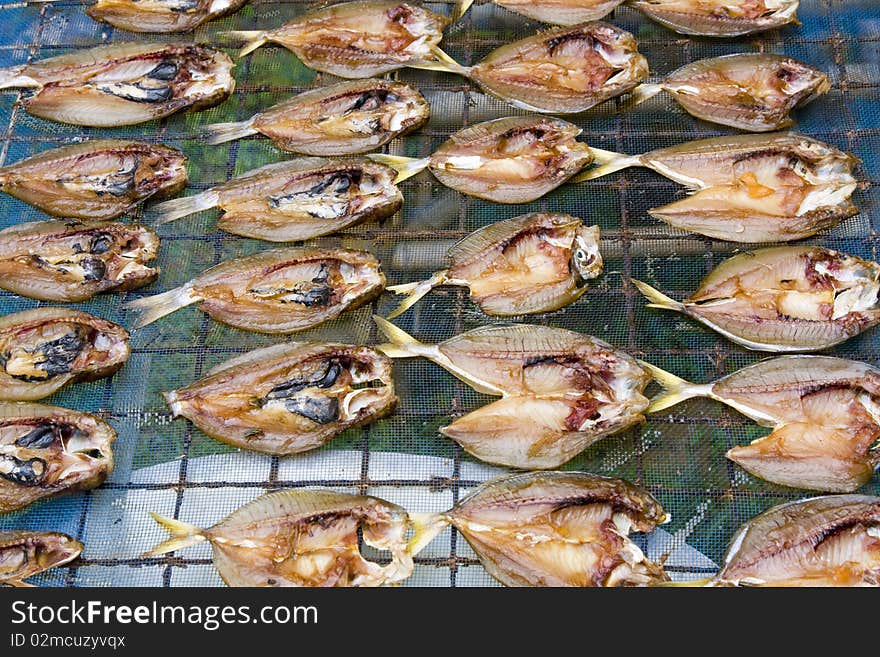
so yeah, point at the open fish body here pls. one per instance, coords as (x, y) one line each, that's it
(25, 553)
(302, 537)
(784, 299)
(342, 119)
(98, 179)
(123, 84)
(822, 541)
(555, 12)
(72, 261)
(160, 15)
(47, 451)
(44, 349)
(289, 398)
(275, 291)
(725, 18)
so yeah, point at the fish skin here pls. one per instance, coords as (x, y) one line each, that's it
(561, 12)
(39, 551)
(159, 16)
(680, 15)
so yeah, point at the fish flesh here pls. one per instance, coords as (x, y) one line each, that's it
(509, 160)
(530, 264)
(725, 18)
(160, 15)
(289, 398)
(26, 553)
(356, 39)
(564, 70)
(275, 291)
(560, 391)
(301, 537)
(750, 91)
(343, 119)
(824, 413)
(44, 349)
(98, 179)
(823, 541)
(750, 188)
(296, 199)
(786, 298)
(123, 84)
(47, 451)
(556, 529)
(555, 12)
(74, 261)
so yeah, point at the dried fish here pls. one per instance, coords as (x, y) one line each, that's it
(534, 263)
(26, 553)
(160, 15)
(356, 39)
(720, 17)
(824, 412)
(275, 291)
(561, 391)
(751, 91)
(98, 179)
(787, 298)
(822, 541)
(47, 451)
(342, 119)
(509, 160)
(73, 261)
(556, 529)
(123, 84)
(750, 188)
(44, 349)
(301, 538)
(560, 71)
(555, 12)
(296, 200)
(289, 398)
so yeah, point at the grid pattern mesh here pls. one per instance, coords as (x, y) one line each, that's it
(168, 466)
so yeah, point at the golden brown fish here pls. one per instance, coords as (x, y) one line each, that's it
(555, 12)
(26, 553)
(160, 15)
(725, 18)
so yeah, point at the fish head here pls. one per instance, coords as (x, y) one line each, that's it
(26, 553)
(798, 79)
(586, 259)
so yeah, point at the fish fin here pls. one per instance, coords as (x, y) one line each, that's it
(608, 162)
(182, 536)
(255, 39)
(184, 206)
(12, 77)
(406, 167)
(460, 9)
(675, 389)
(218, 133)
(425, 528)
(657, 298)
(441, 62)
(704, 581)
(642, 93)
(159, 305)
(415, 291)
(401, 345)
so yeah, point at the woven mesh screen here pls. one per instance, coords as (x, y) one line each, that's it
(168, 466)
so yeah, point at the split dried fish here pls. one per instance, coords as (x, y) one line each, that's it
(44, 349)
(555, 12)
(26, 553)
(123, 84)
(530, 264)
(824, 412)
(787, 298)
(47, 451)
(509, 160)
(556, 529)
(560, 391)
(720, 17)
(356, 39)
(342, 119)
(275, 291)
(301, 538)
(751, 91)
(160, 15)
(296, 200)
(98, 179)
(289, 398)
(72, 261)
(822, 541)
(750, 188)
(560, 71)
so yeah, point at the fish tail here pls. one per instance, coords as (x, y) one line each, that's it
(401, 344)
(254, 38)
(182, 535)
(217, 133)
(425, 528)
(406, 167)
(460, 9)
(657, 298)
(608, 162)
(415, 291)
(159, 305)
(642, 93)
(184, 206)
(441, 61)
(675, 389)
